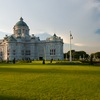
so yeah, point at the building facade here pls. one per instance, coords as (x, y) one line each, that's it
(23, 46)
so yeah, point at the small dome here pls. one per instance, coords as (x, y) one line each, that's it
(21, 23)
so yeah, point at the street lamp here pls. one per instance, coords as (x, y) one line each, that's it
(71, 37)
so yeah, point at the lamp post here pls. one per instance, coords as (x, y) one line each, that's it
(71, 37)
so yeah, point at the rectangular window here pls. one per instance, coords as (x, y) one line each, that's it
(28, 52)
(52, 51)
(14, 52)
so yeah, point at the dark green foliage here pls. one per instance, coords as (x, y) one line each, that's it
(77, 54)
(97, 55)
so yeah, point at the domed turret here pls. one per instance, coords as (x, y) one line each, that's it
(21, 23)
(21, 28)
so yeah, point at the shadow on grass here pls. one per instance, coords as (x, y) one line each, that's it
(48, 71)
(2, 97)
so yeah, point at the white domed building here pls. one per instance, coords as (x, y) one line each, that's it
(22, 46)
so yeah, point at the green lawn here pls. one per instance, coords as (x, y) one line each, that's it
(49, 82)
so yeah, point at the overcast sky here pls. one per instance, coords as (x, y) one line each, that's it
(81, 17)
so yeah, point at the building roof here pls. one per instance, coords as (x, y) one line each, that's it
(54, 37)
(21, 23)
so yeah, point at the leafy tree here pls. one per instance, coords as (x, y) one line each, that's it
(97, 54)
(77, 54)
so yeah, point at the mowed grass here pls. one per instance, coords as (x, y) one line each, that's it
(49, 82)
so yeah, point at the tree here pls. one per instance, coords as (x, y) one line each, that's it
(77, 54)
(91, 59)
(97, 54)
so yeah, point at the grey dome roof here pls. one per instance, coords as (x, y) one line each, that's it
(21, 23)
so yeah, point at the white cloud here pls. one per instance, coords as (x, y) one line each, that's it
(79, 44)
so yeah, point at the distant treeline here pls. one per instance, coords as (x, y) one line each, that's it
(81, 55)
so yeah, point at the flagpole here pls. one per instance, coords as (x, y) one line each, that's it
(70, 47)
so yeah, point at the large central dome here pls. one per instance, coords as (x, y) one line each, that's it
(21, 23)
(21, 28)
